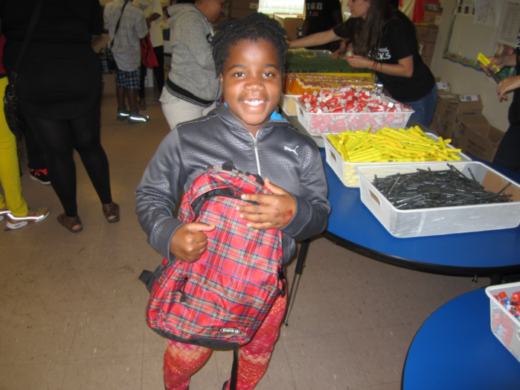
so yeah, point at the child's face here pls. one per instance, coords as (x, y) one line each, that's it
(252, 82)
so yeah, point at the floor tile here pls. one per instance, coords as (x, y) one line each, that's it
(48, 376)
(120, 372)
(104, 333)
(324, 362)
(38, 338)
(381, 352)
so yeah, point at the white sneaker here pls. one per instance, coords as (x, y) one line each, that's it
(34, 215)
(2, 213)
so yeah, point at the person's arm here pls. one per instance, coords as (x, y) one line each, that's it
(317, 39)
(404, 68)
(151, 18)
(141, 26)
(342, 50)
(507, 85)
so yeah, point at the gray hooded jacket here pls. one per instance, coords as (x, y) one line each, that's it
(288, 158)
(192, 66)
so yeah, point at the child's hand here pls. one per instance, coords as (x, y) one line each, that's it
(274, 211)
(189, 241)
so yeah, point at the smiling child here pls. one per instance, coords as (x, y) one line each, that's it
(249, 57)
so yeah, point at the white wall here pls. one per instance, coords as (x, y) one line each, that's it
(467, 81)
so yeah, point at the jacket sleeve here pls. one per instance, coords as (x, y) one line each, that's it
(158, 193)
(312, 206)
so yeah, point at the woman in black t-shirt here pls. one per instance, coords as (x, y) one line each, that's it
(508, 153)
(384, 40)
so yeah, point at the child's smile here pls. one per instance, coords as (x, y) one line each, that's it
(252, 82)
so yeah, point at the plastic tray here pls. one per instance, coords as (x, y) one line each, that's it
(441, 220)
(345, 170)
(504, 325)
(288, 104)
(314, 123)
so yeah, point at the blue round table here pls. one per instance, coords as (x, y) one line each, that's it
(456, 350)
(353, 226)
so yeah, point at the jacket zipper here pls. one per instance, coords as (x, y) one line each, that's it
(256, 155)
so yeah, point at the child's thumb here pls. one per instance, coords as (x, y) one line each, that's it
(274, 188)
(200, 227)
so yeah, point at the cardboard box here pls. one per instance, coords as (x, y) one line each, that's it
(427, 60)
(426, 49)
(432, 13)
(479, 146)
(470, 105)
(426, 33)
(435, 122)
(443, 87)
(237, 13)
(449, 130)
(476, 123)
(290, 23)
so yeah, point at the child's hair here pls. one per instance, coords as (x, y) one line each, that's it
(252, 27)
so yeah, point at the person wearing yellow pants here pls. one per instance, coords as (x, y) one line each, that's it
(13, 205)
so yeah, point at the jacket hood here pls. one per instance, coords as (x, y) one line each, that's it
(177, 10)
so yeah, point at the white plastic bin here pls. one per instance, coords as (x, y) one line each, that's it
(288, 104)
(345, 170)
(504, 325)
(441, 220)
(318, 124)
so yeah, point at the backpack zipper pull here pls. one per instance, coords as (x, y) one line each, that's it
(183, 286)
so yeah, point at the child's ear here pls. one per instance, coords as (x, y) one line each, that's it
(221, 78)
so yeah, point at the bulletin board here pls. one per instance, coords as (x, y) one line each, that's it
(481, 26)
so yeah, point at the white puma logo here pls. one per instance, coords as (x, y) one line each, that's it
(292, 150)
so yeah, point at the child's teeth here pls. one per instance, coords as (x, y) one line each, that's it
(254, 102)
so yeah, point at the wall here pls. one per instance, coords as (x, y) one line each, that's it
(468, 81)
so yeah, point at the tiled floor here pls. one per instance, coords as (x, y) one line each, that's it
(72, 308)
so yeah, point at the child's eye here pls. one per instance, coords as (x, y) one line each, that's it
(238, 74)
(268, 74)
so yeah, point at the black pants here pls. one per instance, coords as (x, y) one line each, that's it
(58, 139)
(508, 153)
(158, 71)
(35, 153)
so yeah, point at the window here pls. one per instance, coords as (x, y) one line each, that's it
(281, 6)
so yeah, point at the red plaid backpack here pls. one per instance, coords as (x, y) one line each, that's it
(220, 300)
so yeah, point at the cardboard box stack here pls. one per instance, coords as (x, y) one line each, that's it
(459, 117)
(432, 13)
(240, 8)
(290, 23)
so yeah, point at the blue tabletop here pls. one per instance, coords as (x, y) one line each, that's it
(352, 221)
(455, 349)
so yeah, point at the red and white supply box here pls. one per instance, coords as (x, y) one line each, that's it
(505, 313)
(350, 110)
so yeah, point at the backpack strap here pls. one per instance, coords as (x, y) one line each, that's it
(234, 370)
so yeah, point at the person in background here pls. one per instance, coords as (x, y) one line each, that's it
(508, 153)
(384, 40)
(127, 53)
(153, 13)
(192, 87)
(13, 205)
(58, 90)
(321, 15)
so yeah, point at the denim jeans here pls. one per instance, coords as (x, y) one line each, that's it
(424, 107)
(508, 153)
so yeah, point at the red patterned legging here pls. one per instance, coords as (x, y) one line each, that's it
(182, 360)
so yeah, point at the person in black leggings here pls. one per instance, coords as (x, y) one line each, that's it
(59, 138)
(58, 88)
